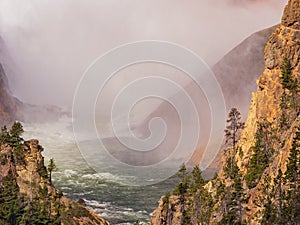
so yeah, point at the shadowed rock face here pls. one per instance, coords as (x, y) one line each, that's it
(12, 109)
(236, 73)
(8, 103)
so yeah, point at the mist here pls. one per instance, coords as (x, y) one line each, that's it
(48, 45)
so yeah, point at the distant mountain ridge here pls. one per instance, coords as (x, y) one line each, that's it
(8, 104)
(237, 73)
(12, 109)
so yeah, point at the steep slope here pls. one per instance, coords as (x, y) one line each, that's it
(259, 179)
(273, 120)
(236, 73)
(238, 70)
(12, 109)
(27, 195)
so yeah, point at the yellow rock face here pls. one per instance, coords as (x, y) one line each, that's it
(265, 108)
(265, 103)
(30, 179)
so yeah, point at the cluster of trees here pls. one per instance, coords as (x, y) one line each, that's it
(195, 201)
(14, 207)
(233, 196)
(17, 209)
(14, 139)
(280, 199)
(11, 206)
(12, 136)
(281, 195)
(263, 151)
(290, 100)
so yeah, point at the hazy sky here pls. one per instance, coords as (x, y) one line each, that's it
(51, 43)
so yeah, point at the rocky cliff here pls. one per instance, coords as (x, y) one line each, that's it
(27, 195)
(259, 179)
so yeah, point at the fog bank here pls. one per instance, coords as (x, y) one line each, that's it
(49, 44)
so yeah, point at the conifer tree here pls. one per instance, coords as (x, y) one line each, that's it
(232, 131)
(10, 209)
(51, 167)
(201, 202)
(181, 190)
(287, 80)
(15, 134)
(291, 180)
(4, 135)
(262, 153)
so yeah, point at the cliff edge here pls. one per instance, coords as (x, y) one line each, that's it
(27, 195)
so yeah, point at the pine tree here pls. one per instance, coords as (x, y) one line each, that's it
(10, 205)
(287, 80)
(201, 202)
(15, 134)
(182, 188)
(266, 201)
(291, 180)
(290, 99)
(197, 179)
(51, 167)
(233, 197)
(232, 131)
(262, 153)
(4, 135)
(292, 173)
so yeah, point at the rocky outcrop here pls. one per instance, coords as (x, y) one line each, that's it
(291, 16)
(259, 179)
(26, 188)
(167, 213)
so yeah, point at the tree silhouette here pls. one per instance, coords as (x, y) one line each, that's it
(232, 131)
(15, 134)
(287, 80)
(291, 179)
(51, 167)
